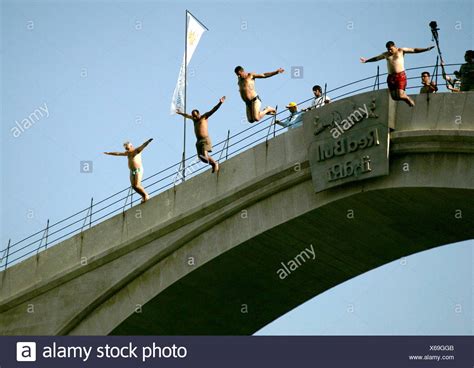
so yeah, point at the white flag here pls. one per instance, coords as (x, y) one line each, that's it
(195, 31)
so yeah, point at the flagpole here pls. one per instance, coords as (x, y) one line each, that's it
(185, 83)
(187, 14)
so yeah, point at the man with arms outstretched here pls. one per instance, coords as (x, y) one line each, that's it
(397, 78)
(247, 91)
(203, 144)
(135, 165)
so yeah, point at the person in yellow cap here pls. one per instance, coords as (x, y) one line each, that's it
(295, 119)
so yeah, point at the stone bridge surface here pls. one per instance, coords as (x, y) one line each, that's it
(229, 253)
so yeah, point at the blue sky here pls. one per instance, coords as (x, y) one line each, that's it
(106, 71)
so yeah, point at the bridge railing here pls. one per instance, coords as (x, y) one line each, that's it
(172, 176)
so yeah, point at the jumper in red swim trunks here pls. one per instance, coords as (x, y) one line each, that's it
(397, 81)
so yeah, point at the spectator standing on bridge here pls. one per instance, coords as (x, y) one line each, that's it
(246, 82)
(429, 86)
(295, 119)
(135, 165)
(397, 78)
(466, 72)
(203, 144)
(452, 84)
(319, 100)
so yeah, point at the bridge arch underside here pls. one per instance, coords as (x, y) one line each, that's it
(240, 291)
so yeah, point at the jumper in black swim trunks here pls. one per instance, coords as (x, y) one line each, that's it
(246, 82)
(253, 108)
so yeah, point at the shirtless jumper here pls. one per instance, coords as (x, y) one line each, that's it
(246, 83)
(203, 142)
(135, 166)
(397, 78)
